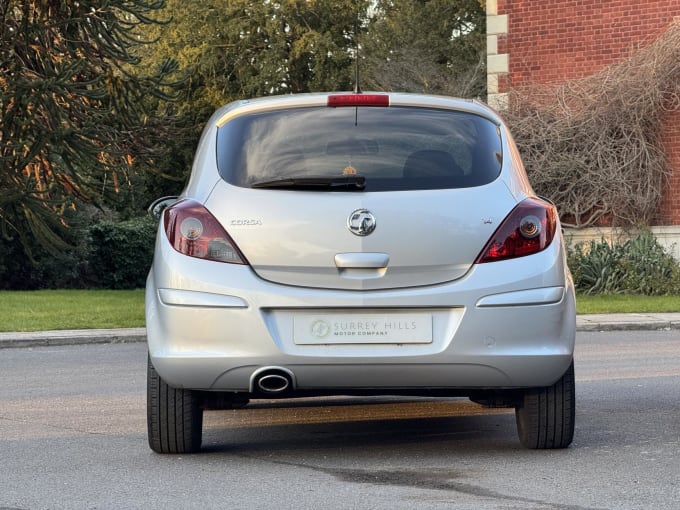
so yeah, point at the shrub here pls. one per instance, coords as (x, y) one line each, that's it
(105, 255)
(34, 267)
(121, 253)
(638, 266)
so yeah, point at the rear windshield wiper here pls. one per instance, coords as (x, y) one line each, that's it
(345, 182)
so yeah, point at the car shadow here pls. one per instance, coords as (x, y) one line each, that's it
(363, 424)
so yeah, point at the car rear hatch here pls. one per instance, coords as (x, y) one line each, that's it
(360, 197)
(305, 239)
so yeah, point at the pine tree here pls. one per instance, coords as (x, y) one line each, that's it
(77, 109)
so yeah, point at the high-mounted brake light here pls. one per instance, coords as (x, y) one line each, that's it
(528, 229)
(194, 232)
(358, 100)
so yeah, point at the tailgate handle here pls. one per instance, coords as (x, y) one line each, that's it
(361, 260)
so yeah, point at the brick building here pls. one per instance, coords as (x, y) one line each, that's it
(548, 41)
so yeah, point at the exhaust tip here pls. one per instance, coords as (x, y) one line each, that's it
(273, 381)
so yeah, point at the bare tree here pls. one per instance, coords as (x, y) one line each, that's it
(594, 145)
(413, 70)
(427, 46)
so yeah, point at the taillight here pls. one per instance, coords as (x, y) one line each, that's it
(358, 99)
(528, 229)
(194, 232)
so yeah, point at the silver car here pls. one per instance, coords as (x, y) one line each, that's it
(358, 244)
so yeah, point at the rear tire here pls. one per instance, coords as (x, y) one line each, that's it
(174, 416)
(545, 416)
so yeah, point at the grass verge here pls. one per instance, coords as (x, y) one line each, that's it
(622, 303)
(44, 310)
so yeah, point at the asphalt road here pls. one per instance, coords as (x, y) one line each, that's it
(73, 435)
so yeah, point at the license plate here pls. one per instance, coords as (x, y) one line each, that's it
(415, 328)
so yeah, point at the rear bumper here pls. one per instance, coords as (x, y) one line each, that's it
(504, 325)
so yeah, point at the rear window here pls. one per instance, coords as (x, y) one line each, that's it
(394, 148)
